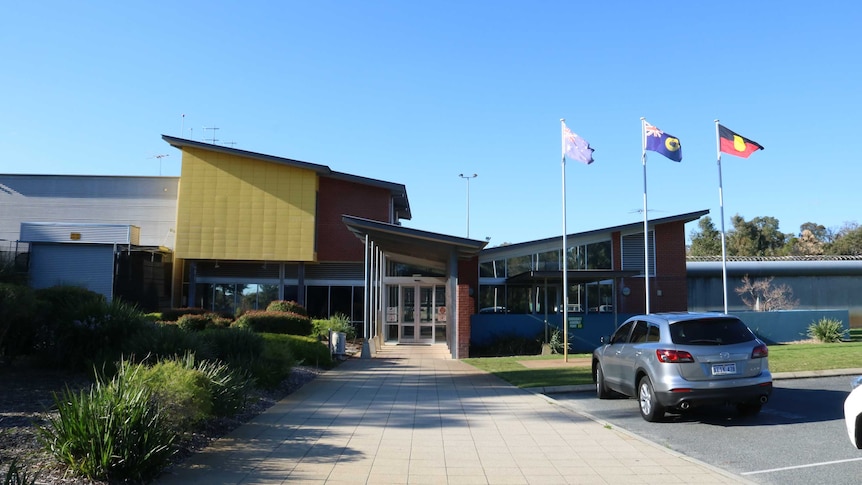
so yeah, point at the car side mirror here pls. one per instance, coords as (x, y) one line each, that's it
(603, 340)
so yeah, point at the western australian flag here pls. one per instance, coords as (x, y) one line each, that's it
(661, 142)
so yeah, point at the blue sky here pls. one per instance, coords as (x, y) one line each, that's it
(419, 92)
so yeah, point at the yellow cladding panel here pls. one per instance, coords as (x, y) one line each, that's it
(237, 208)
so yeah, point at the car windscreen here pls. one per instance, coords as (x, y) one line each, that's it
(710, 331)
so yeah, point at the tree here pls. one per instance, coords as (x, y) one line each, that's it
(758, 237)
(820, 232)
(761, 296)
(707, 240)
(847, 241)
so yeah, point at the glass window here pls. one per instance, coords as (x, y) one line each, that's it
(599, 255)
(267, 294)
(518, 265)
(358, 314)
(575, 257)
(291, 293)
(404, 269)
(224, 298)
(317, 301)
(622, 333)
(549, 261)
(340, 300)
(248, 298)
(654, 335)
(493, 269)
(440, 310)
(491, 298)
(639, 334)
(518, 299)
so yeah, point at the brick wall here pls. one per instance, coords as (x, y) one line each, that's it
(669, 288)
(468, 278)
(336, 198)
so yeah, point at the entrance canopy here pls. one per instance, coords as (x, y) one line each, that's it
(412, 245)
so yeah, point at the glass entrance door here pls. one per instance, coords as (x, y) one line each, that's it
(422, 313)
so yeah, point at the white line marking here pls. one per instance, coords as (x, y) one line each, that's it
(802, 466)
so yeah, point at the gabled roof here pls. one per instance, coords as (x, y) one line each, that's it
(398, 191)
(634, 226)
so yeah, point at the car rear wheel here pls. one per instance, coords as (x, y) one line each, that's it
(650, 408)
(602, 392)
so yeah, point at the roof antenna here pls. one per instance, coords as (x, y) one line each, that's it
(160, 157)
(212, 140)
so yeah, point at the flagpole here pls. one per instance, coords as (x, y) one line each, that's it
(565, 262)
(721, 206)
(646, 225)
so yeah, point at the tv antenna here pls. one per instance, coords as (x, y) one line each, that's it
(212, 140)
(160, 157)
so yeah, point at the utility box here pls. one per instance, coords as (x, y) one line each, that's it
(338, 343)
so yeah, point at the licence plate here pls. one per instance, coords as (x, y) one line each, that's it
(723, 369)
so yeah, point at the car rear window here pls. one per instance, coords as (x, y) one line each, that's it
(710, 331)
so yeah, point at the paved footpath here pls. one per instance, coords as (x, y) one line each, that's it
(409, 416)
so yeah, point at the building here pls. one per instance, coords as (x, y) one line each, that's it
(238, 229)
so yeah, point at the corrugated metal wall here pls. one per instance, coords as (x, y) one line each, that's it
(146, 202)
(87, 265)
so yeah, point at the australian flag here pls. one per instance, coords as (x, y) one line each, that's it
(661, 142)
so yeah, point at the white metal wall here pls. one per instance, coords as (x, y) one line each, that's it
(149, 203)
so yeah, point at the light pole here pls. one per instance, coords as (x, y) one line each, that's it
(467, 178)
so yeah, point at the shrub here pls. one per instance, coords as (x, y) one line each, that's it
(286, 306)
(99, 335)
(275, 363)
(164, 340)
(303, 350)
(18, 307)
(233, 344)
(192, 322)
(174, 314)
(827, 330)
(114, 431)
(337, 323)
(228, 386)
(181, 392)
(507, 345)
(556, 342)
(18, 475)
(275, 322)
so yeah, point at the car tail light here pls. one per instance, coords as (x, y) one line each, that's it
(760, 352)
(673, 356)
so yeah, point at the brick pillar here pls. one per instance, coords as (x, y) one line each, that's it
(466, 305)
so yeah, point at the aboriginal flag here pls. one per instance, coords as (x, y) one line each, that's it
(733, 144)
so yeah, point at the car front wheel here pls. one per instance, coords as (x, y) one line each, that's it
(650, 408)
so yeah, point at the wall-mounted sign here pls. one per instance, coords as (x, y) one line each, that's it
(575, 322)
(75, 236)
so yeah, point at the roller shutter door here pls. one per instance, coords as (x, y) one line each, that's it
(90, 266)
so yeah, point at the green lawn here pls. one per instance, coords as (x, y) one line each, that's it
(782, 358)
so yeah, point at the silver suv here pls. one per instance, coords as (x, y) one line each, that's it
(676, 361)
